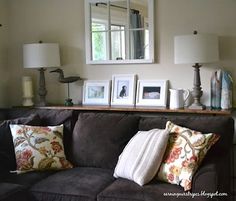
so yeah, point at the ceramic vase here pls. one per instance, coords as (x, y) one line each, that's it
(226, 91)
(216, 89)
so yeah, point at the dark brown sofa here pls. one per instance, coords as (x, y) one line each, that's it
(93, 142)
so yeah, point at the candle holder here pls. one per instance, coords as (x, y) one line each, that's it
(27, 101)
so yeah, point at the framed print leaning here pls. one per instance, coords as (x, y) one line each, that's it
(123, 89)
(96, 92)
(152, 93)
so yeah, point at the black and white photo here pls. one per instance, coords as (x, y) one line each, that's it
(123, 89)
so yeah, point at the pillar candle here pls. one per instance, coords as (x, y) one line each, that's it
(27, 87)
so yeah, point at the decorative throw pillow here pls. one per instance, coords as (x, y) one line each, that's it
(142, 156)
(185, 150)
(39, 148)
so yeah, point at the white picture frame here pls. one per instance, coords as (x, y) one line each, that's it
(152, 93)
(123, 89)
(96, 92)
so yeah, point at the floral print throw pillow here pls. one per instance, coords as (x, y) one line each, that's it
(39, 148)
(185, 150)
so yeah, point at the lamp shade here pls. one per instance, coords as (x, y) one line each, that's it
(196, 48)
(41, 55)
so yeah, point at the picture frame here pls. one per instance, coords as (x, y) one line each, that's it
(96, 92)
(152, 93)
(123, 89)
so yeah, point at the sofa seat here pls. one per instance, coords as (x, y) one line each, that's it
(27, 179)
(125, 190)
(9, 192)
(77, 184)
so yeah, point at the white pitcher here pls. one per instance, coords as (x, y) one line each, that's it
(178, 97)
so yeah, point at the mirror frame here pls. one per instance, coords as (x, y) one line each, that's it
(88, 36)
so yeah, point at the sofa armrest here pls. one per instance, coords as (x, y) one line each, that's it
(4, 166)
(12, 192)
(213, 177)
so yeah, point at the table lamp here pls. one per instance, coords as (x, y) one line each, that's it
(41, 56)
(196, 49)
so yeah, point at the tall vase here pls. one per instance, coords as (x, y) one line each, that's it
(226, 92)
(216, 89)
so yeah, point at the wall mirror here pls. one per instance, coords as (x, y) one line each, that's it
(119, 31)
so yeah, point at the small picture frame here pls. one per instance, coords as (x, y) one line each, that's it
(123, 89)
(152, 93)
(96, 92)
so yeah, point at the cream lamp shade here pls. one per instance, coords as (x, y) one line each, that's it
(41, 55)
(196, 48)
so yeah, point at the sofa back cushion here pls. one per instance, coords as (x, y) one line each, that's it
(3, 115)
(99, 138)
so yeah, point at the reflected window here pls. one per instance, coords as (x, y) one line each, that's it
(118, 42)
(99, 41)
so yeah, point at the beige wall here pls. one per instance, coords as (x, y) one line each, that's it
(62, 21)
(3, 53)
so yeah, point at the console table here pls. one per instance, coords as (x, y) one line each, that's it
(207, 111)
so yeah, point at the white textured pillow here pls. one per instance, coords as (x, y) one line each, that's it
(142, 156)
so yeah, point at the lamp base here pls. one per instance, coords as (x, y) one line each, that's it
(41, 104)
(197, 90)
(42, 92)
(197, 107)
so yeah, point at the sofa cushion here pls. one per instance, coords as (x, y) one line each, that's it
(49, 117)
(27, 179)
(11, 192)
(7, 154)
(73, 184)
(99, 138)
(39, 148)
(125, 190)
(142, 156)
(3, 115)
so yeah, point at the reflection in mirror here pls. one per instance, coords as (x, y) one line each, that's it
(119, 31)
(99, 21)
(137, 30)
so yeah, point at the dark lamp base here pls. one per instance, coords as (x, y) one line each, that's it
(41, 104)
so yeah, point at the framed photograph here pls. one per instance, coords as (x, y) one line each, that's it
(123, 89)
(152, 93)
(96, 92)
